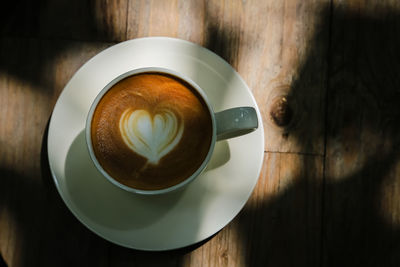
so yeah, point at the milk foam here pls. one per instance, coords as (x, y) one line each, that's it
(152, 137)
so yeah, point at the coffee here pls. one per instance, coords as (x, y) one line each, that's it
(151, 131)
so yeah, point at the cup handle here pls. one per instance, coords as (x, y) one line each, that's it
(235, 122)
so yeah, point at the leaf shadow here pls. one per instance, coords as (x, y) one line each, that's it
(336, 216)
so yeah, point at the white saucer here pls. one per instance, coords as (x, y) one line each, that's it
(154, 222)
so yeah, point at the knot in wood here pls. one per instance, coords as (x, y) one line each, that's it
(281, 112)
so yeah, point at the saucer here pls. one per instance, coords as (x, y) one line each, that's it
(161, 222)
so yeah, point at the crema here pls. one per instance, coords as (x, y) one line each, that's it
(151, 131)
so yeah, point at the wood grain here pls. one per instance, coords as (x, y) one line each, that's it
(329, 190)
(272, 53)
(279, 58)
(36, 227)
(65, 19)
(361, 210)
(280, 224)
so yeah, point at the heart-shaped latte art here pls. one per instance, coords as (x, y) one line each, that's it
(152, 137)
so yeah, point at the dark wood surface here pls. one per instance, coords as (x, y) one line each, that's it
(325, 74)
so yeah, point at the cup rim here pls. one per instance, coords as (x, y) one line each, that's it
(105, 89)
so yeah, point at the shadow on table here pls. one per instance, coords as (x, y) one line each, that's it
(43, 230)
(40, 31)
(349, 217)
(46, 230)
(2, 262)
(362, 141)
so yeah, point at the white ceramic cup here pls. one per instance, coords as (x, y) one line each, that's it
(225, 124)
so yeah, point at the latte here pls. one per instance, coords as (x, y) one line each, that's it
(151, 131)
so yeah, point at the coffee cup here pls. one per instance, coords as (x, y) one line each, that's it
(153, 130)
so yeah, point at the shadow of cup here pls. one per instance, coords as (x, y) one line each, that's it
(100, 202)
(221, 155)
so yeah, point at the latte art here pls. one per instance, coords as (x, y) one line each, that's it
(148, 136)
(151, 131)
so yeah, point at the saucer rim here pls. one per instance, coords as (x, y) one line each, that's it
(70, 204)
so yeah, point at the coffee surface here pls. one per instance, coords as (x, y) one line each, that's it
(151, 131)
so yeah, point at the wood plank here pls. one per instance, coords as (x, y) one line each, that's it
(284, 62)
(276, 46)
(279, 226)
(362, 204)
(181, 19)
(65, 19)
(36, 227)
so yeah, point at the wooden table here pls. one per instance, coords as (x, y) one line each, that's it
(325, 75)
